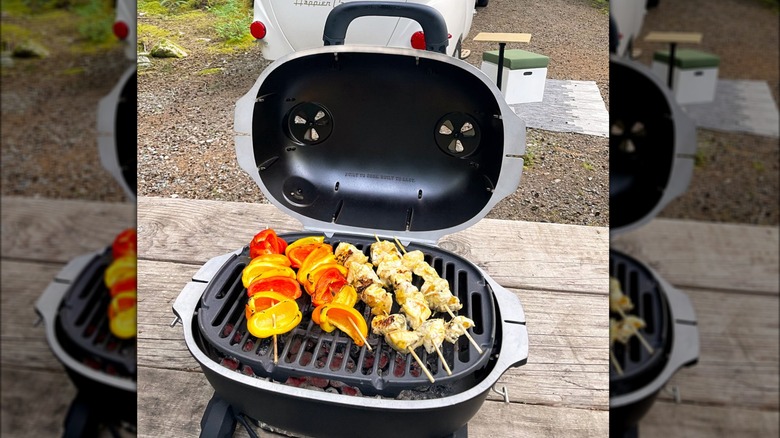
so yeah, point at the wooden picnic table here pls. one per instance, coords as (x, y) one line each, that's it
(559, 272)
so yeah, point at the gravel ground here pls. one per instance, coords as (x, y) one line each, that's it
(736, 175)
(185, 120)
(185, 117)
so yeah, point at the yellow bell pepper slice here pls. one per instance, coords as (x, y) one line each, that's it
(278, 319)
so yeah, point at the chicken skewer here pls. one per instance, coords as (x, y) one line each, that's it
(620, 304)
(387, 259)
(361, 275)
(434, 332)
(439, 288)
(399, 338)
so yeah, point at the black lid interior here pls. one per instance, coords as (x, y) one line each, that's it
(378, 140)
(641, 144)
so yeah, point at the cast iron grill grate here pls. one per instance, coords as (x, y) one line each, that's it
(82, 323)
(309, 351)
(639, 366)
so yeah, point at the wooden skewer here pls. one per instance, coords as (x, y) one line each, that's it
(397, 242)
(276, 351)
(444, 362)
(422, 365)
(357, 330)
(615, 362)
(465, 332)
(641, 338)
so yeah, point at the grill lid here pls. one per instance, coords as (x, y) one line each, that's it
(117, 129)
(651, 146)
(387, 141)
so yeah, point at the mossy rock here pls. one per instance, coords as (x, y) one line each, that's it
(167, 49)
(30, 49)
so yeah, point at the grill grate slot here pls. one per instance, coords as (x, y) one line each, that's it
(309, 351)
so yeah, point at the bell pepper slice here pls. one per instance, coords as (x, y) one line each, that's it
(339, 316)
(314, 275)
(275, 320)
(276, 259)
(122, 302)
(298, 254)
(125, 285)
(347, 296)
(263, 300)
(123, 325)
(328, 285)
(320, 255)
(120, 269)
(266, 242)
(125, 243)
(286, 286)
(264, 270)
(315, 316)
(303, 241)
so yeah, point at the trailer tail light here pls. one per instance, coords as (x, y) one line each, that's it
(257, 29)
(121, 30)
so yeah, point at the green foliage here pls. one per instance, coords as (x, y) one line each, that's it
(529, 158)
(587, 166)
(601, 5)
(96, 20)
(232, 19)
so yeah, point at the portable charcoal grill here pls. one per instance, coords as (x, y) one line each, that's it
(651, 162)
(74, 306)
(357, 142)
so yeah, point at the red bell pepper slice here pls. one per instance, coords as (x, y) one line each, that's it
(286, 286)
(266, 242)
(125, 243)
(329, 283)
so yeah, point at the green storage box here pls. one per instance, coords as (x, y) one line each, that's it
(688, 58)
(516, 59)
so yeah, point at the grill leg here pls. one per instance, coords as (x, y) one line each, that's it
(218, 421)
(463, 432)
(80, 420)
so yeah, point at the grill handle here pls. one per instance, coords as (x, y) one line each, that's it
(433, 24)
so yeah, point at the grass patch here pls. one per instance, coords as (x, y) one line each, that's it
(210, 71)
(700, 159)
(758, 166)
(232, 19)
(529, 159)
(152, 7)
(587, 166)
(601, 5)
(73, 71)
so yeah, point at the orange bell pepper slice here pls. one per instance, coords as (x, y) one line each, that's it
(328, 285)
(263, 300)
(286, 286)
(315, 316)
(320, 255)
(129, 284)
(278, 319)
(346, 319)
(303, 241)
(120, 269)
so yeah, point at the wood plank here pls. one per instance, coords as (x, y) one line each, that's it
(503, 37)
(708, 255)
(739, 352)
(515, 254)
(34, 403)
(692, 421)
(58, 230)
(189, 393)
(568, 337)
(674, 37)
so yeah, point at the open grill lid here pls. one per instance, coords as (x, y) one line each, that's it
(387, 141)
(651, 146)
(117, 132)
